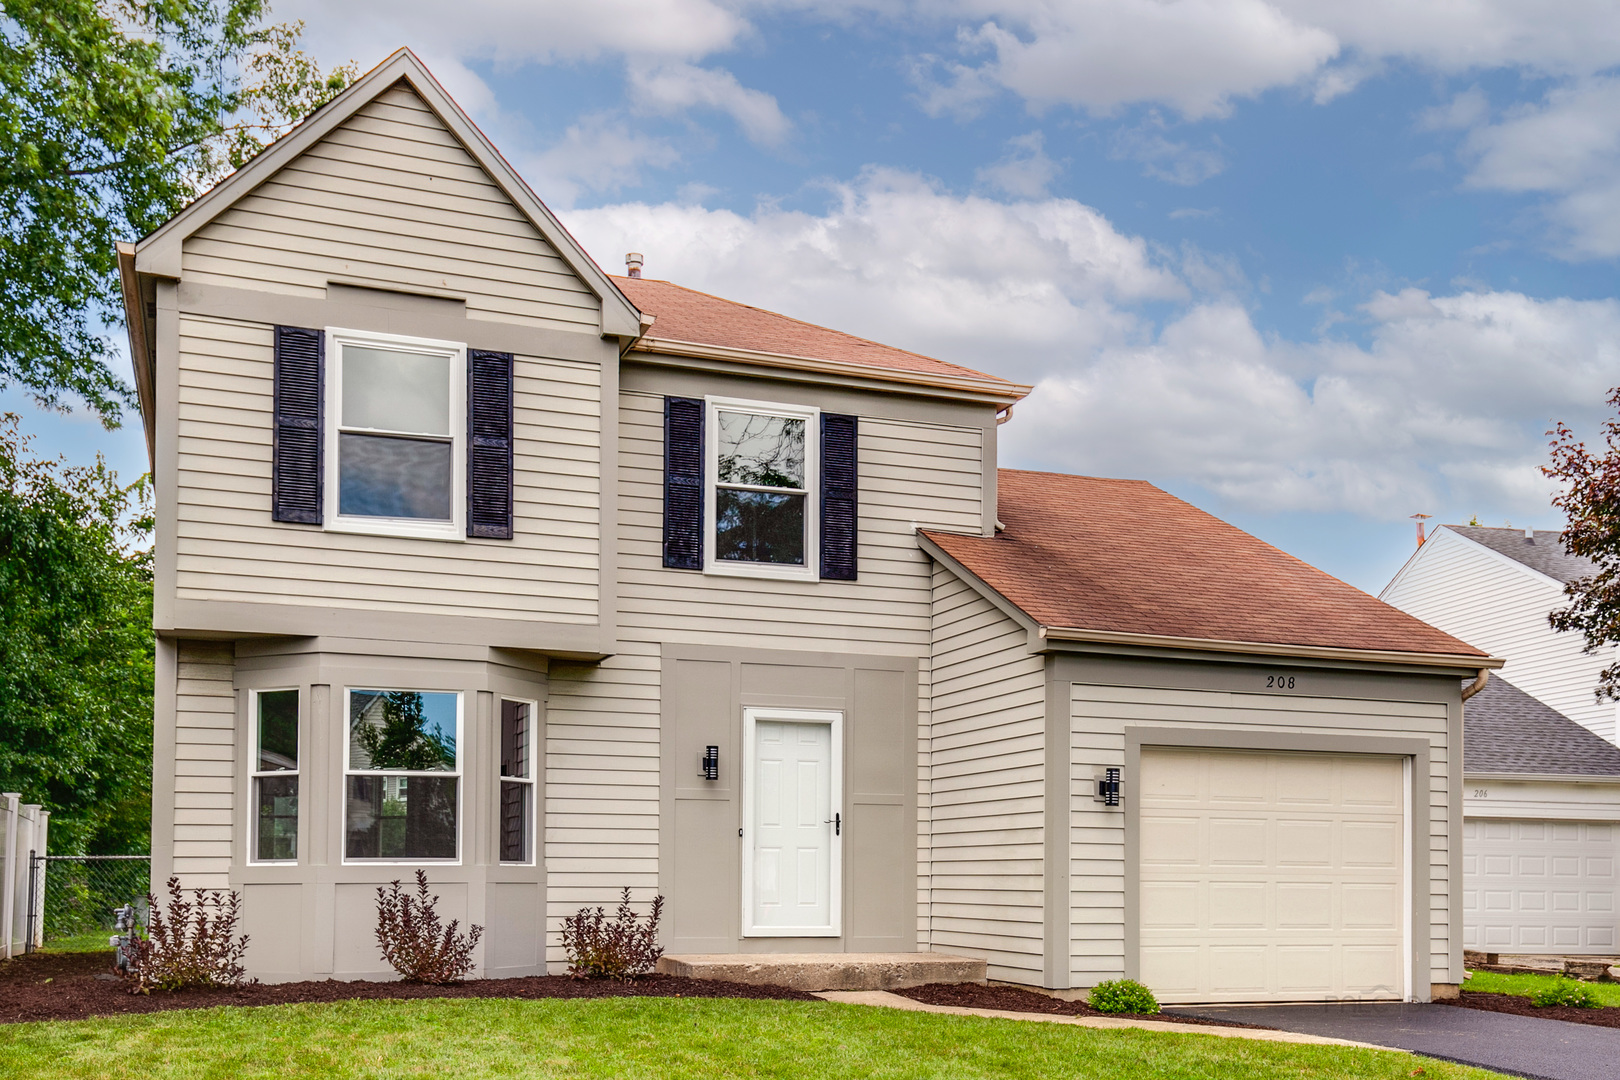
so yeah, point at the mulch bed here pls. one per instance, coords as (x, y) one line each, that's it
(1606, 1016)
(1015, 999)
(64, 986)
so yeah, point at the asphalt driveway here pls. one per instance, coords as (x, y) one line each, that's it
(1519, 1045)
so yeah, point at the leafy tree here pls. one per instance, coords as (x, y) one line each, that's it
(1590, 500)
(76, 647)
(113, 115)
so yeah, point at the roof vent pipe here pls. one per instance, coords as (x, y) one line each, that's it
(633, 263)
(1530, 535)
(1420, 519)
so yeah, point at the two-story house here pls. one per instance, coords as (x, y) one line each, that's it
(1541, 868)
(475, 558)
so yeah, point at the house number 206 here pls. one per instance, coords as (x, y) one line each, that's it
(1279, 682)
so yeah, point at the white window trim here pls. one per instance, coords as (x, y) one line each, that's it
(835, 719)
(811, 570)
(455, 529)
(459, 774)
(255, 774)
(531, 780)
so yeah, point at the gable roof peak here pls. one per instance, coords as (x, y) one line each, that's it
(158, 254)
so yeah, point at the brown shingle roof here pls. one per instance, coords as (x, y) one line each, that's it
(1121, 556)
(684, 314)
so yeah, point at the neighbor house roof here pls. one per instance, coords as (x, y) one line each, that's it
(1543, 553)
(687, 317)
(1506, 731)
(1120, 560)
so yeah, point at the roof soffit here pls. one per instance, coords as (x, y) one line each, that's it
(158, 254)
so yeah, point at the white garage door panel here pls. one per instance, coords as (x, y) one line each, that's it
(1539, 886)
(1271, 876)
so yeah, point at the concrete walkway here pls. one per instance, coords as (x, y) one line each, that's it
(895, 1001)
(1518, 1045)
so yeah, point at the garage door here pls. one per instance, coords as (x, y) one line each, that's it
(1271, 877)
(1538, 886)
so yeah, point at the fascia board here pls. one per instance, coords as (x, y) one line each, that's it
(159, 253)
(140, 355)
(994, 391)
(978, 585)
(1059, 634)
(1541, 778)
(1412, 560)
(1505, 560)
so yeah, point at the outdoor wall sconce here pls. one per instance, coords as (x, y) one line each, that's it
(1108, 787)
(711, 763)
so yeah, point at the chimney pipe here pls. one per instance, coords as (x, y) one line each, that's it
(1530, 535)
(633, 263)
(1420, 519)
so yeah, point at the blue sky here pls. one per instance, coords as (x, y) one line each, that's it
(1313, 266)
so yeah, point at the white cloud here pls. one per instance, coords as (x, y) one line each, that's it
(673, 88)
(1568, 147)
(1446, 404)
(1009, 287)
(1025, 171)
(1163, 158)
(600, 153)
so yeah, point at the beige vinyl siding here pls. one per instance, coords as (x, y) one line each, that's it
(988, 784)
(228, 549)
(602, 757)
(1501, 606)
(603, 721)
(1097, 868)
(205, 759)
(391, 198)
(912, 475)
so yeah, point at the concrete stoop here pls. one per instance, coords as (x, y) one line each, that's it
(827, 971)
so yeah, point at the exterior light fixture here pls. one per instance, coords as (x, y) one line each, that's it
(1108, 787)
(711, 763)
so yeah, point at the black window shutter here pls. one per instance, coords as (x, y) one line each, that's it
(489, 444)
(295, 470)
(840, 481)
(683, 483)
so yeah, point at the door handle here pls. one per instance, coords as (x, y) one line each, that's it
(837, 822)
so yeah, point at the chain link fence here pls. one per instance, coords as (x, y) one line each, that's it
(74, 897)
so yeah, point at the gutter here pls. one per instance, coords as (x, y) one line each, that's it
(997, 390)
(1267, 648)
(1543, 778)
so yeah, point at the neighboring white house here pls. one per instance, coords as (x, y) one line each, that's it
(1494, 588)
(1541, 828)
(471, 556)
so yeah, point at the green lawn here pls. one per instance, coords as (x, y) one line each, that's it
(90, 941)
(1490, 982)
(656, 1039)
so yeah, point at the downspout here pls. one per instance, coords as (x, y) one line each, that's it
(1479, 682)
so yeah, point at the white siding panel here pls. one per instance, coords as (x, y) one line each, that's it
(391, 198)
(228, 549)
(986, 756)
(1097, 868)
(205, 752)
(1500, 606)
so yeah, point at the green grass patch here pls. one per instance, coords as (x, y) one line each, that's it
(1491, 982)
(654, 1039)
(89, 941)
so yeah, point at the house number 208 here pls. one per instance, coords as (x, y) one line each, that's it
(1279, 682)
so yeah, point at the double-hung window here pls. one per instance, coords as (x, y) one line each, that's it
(759, 518)
(273, 717)
(517, 781)
(398, 424)
(402, 791)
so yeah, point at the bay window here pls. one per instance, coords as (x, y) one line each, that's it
(402, 773)
(273, 720)
(517, 781)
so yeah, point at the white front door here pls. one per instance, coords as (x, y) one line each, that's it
(792, 823)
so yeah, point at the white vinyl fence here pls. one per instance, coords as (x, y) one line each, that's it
(22, 832)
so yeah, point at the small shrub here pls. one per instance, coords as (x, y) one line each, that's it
(1123, 996)
(621, 949)
(193, 944)
(416, 943)
(1562, 991)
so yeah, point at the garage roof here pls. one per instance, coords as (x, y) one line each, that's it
(1507, 731)
(1122, 557)
(1544, 552)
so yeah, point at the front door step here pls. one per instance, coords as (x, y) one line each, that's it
(827, 971)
